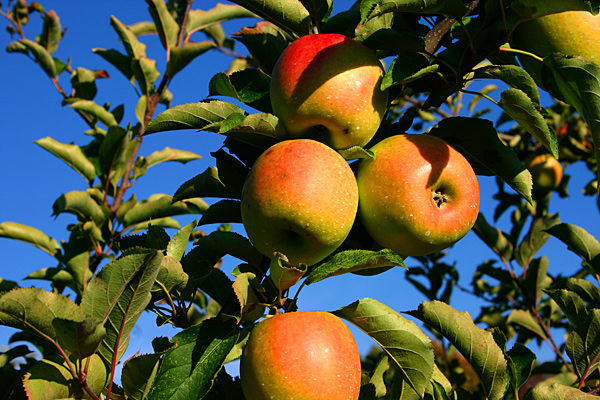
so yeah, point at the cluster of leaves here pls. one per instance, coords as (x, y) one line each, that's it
(437, 49)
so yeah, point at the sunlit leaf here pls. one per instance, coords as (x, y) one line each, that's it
(557, 391)
(201, 19)
(134, 48)
(354, 261)
(28, 234)
(81, 204)
(170, 154)
(405, 68)
(521, 108)
(166, 26)
(119, 60)
(453, 8)
(162, 205)
(526, 320)
(41, 55)
(475, 344)
(266, 42)
(118, 295)
(72, 155)
(180, 57)
(187, 370)
(95, 111)
(580, 242)
(406, 345)
(287, 14)
(514, 76)
(51, 32)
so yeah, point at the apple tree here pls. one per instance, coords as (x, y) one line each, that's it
(123, 255)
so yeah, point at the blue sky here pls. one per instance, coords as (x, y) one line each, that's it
(33, 179)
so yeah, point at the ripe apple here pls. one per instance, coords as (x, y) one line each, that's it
(306, 355)
(573, 33)
(326, 87)
(546, 172)
(299, 199)
(418, 196)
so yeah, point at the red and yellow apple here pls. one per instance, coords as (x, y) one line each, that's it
(573, 33)
(418, 195)
(546, 172)
(326, 87)
(299, 199)
(306, 355)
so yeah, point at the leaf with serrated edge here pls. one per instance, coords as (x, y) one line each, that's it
(118, 295)
(138, 375)
(170, 154)
(475, 344)
(290, 15)
(521, 108)
(28, 234)
(407, 346)
(161, 205)
(454, 8)
(81, 338)
(33, 310)
(352, 261)
(580, 242)
(178, 244)
(187, 371)
(557, 391)
(583, 345)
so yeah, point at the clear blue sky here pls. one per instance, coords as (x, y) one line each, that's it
(33, 179)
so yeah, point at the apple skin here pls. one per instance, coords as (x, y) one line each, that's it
(306, 355)
(546, 172)
(419, 195)
(573, 33)
(326, 87)
(300, 199)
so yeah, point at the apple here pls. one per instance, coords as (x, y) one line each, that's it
(299, 199)
(573, 33)
(306, 355)
(418, 195)
(546, 172)
(326, 87)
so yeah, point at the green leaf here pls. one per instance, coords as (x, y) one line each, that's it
(475, 344)
(72, 155)
(521, 108)
(514, 76)
(118, 295)
(170, 154)
(406, 345)
(207, 184)
(231, 243)
(134, 48)
(250, 86)
(171, 277)
(571, 304)
(493, 237)
(223, 211)
(28, 234)
(201, 19)
(138, 374)
(188, 370)
(526, 320)
(51, 32)
(580, 242)
(557, 391)
(205, 115)
(41, 56)
(583, 345)
(478, 141)
(537, 279)
(284, 276)
(178, 244)
(354, 261)
(180, 57)
(166, 26)
(34, 310)
(535, 239)
(589, 292)
(265, 41)
(452, 8)
(49, 379)
(258, 130)
(95, 111)
(83, 82)
(521, 361)
(161, 205)
(81, 338)
(287, 14)
(117, 59)
(145, 72)
(82, 205)
(405, 68)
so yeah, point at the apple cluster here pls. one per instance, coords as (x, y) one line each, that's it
(415, 196)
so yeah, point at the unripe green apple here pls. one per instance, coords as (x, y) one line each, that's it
(299, 199)
(306, 355)
(546, 172)
(418, 195)
(573, 33)
(326, 87)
